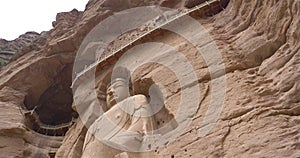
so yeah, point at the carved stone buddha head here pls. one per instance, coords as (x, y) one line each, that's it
(117, 91)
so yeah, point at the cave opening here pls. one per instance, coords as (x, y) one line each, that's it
(53, 114)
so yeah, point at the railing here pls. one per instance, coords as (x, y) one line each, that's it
(46, 126)
(186, 12)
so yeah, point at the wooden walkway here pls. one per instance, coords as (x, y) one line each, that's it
(54, 130)
(114, 53)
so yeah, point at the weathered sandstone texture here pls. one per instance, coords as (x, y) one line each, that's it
(260, 46)
(13, 49)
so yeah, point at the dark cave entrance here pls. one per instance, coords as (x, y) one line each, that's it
(54, 107)
(53, 113)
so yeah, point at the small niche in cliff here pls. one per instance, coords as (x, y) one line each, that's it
(210, 10)
(52, 155)
(53, 114)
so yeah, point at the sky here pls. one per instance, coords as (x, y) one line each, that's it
(20, 16)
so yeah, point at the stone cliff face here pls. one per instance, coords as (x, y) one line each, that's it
(13, 49)
(23, 134)
(19, 43)
(259, 43)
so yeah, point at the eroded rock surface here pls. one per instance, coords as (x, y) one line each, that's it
(10, 50)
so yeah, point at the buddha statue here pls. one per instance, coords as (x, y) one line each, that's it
(122, 131)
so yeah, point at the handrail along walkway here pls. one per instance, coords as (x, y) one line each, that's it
(90, 67)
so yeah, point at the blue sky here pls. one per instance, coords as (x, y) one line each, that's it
(20, 16)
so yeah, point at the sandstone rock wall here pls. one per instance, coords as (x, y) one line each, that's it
(23, 82)
(12, 49)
